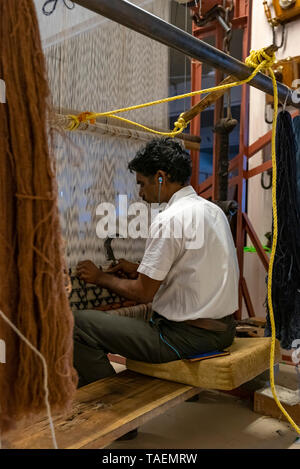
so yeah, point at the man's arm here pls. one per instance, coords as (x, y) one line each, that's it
(141, 290)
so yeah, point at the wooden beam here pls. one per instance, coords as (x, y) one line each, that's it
(208, 100)
(205, 185)
(259, 144)
(190, 138)
(206, 194)
(106, 125)
(264, 402)
(194, 146)
(258, 170)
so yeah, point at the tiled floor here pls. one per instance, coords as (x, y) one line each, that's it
(216, 420)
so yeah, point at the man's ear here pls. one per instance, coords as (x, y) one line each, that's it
(161, 176)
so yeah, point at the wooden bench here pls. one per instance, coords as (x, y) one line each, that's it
(103, 411)
(107, 409)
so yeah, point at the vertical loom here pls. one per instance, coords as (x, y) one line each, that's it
(102, 69)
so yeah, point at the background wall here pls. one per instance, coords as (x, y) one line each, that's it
(260, 200)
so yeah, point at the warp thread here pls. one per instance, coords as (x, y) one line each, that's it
(92, 168)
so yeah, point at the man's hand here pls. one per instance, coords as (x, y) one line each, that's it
(89, 272)
(123, 266)
(140, 290)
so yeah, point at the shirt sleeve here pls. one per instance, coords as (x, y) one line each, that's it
(162, 250)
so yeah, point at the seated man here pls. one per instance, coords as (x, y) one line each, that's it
(189, 272)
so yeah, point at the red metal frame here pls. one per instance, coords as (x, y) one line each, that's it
(209, 188)
(244, 225)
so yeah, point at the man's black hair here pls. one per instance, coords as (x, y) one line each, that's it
(164, 154)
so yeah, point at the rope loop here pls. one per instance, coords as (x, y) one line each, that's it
(86, 116)
(74, 122)
(180, 124)
(259, 58)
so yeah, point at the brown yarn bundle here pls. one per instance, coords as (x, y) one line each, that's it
(32, 291)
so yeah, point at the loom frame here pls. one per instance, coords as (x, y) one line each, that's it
(134, 17)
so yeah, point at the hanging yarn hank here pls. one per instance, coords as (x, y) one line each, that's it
(296, 123)
(286, 273)
(32, 290)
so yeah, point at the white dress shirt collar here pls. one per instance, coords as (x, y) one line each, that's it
(185, 191)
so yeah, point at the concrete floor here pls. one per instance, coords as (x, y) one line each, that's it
(216, 420)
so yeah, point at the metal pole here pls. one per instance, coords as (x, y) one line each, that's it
(134, 17)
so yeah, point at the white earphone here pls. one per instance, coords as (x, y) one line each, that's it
(160, 180)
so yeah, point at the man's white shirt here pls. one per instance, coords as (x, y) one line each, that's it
(190, 248)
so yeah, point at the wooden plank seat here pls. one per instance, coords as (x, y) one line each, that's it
(103, 411)
(107, 409)
(248, 358)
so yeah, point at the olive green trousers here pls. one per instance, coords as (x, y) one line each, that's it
(159, 340)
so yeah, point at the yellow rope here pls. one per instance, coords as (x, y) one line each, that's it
(259, 60)
(272, 257)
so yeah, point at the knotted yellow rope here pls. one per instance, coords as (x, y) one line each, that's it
(259, 60)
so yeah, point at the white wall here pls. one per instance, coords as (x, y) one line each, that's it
(259, 200)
